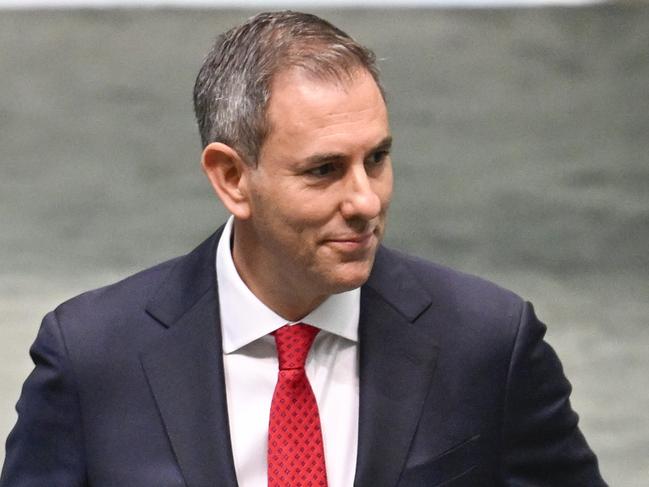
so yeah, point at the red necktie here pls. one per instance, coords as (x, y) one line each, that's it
(295, 450)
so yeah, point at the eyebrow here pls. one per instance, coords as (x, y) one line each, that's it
(385, 144)
(327, 157)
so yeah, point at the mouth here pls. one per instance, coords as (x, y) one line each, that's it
(353, 242)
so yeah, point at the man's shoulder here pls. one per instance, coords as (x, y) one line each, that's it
(436, 277)
(133, 289)
(101, 318)
(126, 306)
(465, 295)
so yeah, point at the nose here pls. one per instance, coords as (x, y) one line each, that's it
(360, 200)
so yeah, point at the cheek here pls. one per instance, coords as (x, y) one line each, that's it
(384, 192)
(295, 223)
(313, 209)
(388, 187)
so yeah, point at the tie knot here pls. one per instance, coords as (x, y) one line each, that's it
(293, 344)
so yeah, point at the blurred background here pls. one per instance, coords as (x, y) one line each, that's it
(521, 155)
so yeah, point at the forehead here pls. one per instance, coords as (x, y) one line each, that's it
(301, 106)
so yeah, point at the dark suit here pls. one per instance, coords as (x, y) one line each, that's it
(457, 387)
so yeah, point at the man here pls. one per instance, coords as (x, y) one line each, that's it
(415, 375)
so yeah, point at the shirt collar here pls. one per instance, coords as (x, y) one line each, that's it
(244, 318)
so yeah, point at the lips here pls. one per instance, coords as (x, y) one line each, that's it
(353, 238)
(352, 242)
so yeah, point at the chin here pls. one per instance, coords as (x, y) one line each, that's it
(350, 277)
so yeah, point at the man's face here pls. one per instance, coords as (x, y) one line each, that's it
(322, 186)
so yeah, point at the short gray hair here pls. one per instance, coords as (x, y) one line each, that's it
(233, 86)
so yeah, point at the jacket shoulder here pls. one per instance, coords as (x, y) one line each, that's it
(168, 287)
(467, 296)
(120, 297)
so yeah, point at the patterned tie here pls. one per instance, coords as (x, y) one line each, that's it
(295, 450)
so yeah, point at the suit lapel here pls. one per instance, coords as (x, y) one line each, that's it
(185, 370)
(397, 361)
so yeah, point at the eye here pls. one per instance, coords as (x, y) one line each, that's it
(378, 157)
(322, 170)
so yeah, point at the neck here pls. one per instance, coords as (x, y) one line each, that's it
(270, 285)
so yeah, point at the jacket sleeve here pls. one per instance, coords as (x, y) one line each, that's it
(45, 446)
(543, 445)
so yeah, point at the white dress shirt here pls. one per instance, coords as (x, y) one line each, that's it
(250, 361)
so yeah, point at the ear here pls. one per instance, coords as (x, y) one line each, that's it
(228, 174)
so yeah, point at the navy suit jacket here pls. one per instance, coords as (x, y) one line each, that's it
(457, 386)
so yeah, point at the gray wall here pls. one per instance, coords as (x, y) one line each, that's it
(521, 155)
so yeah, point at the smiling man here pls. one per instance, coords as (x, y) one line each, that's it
(311, 212)
(291, 348)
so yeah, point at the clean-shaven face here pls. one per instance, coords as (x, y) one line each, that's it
(322, 186)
